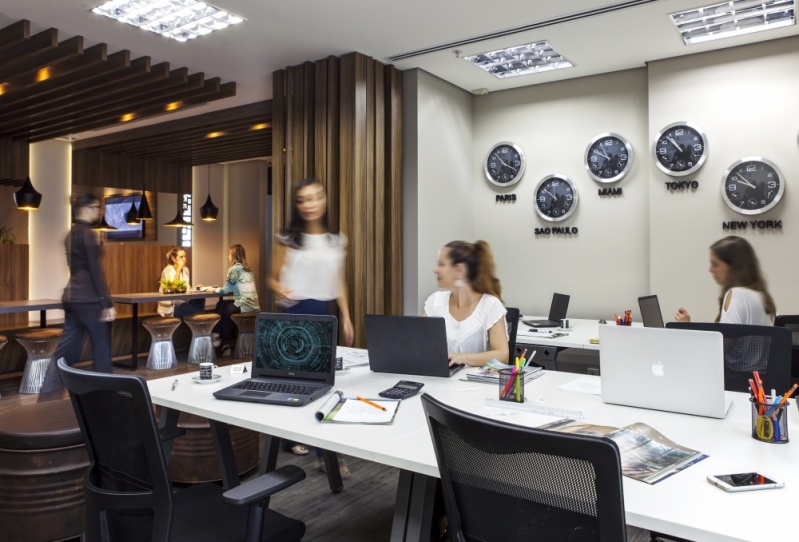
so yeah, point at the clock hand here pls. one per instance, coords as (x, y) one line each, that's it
(603, 153)
(744, 181)
(551, 194)
(675, 143)
(505, 164)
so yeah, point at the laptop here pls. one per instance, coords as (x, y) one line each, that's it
(410, 345)
(557, 312)
(650, 311)
(294, 359)
(675, 370)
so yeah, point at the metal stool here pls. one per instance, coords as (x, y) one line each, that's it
(201, 349)
(245, 322)
(3, 341)
(162, 351)
(39, 345)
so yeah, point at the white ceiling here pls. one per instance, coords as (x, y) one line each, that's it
(280, 33)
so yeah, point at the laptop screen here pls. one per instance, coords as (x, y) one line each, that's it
(650, 311)
(559, 307)
(298, 345)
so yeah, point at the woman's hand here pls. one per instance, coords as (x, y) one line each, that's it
(682, 315)
(348, 332)
(108, 315)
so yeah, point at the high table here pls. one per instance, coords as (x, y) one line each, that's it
(149, 297)
(27, 305)
(683, 505)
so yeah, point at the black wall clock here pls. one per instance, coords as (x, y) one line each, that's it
(504, 164)
(608, 158)
(680, 149)
(752, 185)
(555, 198)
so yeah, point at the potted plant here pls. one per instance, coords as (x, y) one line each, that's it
(180, 286)
(167, 286)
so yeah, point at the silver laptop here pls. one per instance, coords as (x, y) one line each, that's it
(675, 370)
(293, 363)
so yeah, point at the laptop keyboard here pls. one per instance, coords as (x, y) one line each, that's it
(276, 387)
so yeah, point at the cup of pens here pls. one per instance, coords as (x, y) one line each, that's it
(770, 421)
(626, 319)
(511, 385)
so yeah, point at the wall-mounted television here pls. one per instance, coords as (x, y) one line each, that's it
(116, 207)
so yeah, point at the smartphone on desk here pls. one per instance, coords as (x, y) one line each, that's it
(745, 481)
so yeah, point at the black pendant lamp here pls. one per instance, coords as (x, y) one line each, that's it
(209, 211)
(144, 207)
(27, 198)
(178, 221)
(103, 226)
(132, 216)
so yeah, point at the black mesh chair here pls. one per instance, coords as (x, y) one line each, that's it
(512, 319)
(508, 483)
(791, 321)
(766, 349)
(128, 492)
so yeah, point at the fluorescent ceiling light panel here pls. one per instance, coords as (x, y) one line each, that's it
(521, 60)
(735, 18)
(180, 20)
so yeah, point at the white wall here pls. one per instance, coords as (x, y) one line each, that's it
(209, 250)
(437, 178)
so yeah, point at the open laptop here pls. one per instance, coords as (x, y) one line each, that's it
(557, 311)
(294, 359)
(675, 370)
(411, 345)
(650, 311)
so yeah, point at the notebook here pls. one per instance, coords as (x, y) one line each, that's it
(557, 312)
(650, 311)
(410, 345)
(675, 370)
(294, 359)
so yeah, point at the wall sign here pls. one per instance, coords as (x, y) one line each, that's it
(556, 231)
(506, 198)
(752, 225)
(682, 185)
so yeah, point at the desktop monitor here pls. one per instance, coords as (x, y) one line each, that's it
(116, 207)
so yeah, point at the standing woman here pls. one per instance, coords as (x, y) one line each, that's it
(743, 296)
(470, 304)
(240, 282)
(87, 308)
(174, 271)
(308, 268)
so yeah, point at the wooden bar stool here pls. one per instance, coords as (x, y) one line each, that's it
(162, 351)
(40, 345)
(245, 322)
(201, 349)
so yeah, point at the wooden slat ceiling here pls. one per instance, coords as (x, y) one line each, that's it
(238, 133)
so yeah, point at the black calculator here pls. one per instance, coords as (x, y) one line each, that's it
(402, 390)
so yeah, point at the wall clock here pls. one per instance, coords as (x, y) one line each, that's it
(555, 198)
(752, 185)
(504, 164)
(608, 158)
(680, 149)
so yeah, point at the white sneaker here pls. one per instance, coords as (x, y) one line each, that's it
(216, 339)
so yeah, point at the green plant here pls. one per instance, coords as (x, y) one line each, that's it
(181, 286)
(167, 286)
(7, 237)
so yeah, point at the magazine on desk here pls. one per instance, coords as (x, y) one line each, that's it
(340, 409)
(490, 372)
(646, 454)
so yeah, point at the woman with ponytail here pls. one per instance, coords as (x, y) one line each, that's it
(470, 303)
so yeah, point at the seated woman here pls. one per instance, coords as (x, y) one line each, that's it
(241, 283)
(174, 271)
(470, 304)
(743, 298)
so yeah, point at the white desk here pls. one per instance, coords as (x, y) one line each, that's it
(684, 505)
(580, 331)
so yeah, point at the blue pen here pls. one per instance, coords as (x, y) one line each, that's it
(774, 406)
(777, 428)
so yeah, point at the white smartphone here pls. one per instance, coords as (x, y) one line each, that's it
(745, 481)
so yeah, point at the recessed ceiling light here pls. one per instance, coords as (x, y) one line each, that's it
(180, 20)
(521, 60)
(733, 18)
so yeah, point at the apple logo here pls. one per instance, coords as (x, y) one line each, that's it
(657, 369)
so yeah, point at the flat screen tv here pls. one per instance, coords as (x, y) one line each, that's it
(116, 207)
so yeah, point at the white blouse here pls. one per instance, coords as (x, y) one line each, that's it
(746, 307)
(315, 270)
(471, 335)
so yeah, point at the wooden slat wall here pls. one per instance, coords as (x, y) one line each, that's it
(13, 280)
(98, 169)
(339, 119)
(14, 159)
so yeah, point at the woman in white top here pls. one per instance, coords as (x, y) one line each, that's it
(744, 298)
(470, 304)
(174, 271)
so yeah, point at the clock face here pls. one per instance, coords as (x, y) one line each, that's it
(555, 198)
(608, 158)
(752, 185)
(680, 149)
(504, 165)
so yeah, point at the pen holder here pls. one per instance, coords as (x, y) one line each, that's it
(769, 422)
(511, 386)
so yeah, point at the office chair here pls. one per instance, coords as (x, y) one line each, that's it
(766, 349)
(128, 492)
(504, 482)
(512, 319)
(791, 321)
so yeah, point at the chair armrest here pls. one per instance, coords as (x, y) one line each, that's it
(165, 434)
(264, 486)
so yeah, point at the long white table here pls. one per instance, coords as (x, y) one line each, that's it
(684, 505)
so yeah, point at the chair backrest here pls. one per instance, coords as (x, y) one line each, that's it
(128, 471)
(791, 321)
(512, 319)
(509, 483)
(766, 349)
